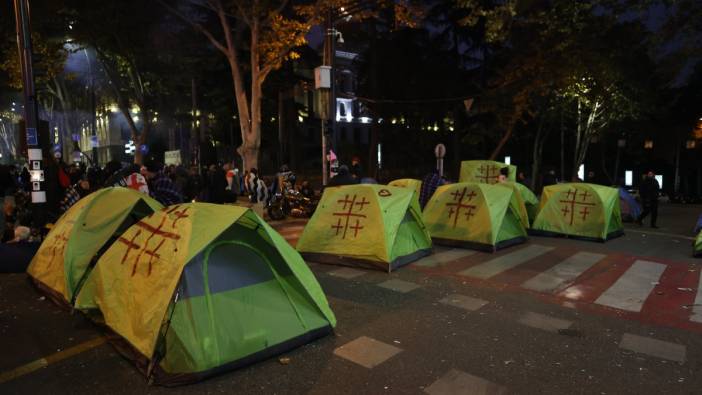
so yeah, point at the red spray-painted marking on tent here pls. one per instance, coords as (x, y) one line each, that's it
(347, 213)
(572, 205)
(60, 241)
(458, 204)
(156, 232)
(488, 174)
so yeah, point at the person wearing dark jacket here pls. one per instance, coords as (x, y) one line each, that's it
(343, 177)
(649, 198)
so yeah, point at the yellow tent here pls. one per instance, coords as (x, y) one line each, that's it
(485, 171)
(367, 225)
(81, 234)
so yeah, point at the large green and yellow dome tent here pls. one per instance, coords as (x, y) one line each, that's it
(366, 225)
(581, 210)
(475, 215)
(80, 235)
(199, 289)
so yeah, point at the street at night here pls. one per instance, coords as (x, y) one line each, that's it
(351, 197)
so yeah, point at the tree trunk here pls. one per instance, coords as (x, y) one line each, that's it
(541, 136)
(505, 138)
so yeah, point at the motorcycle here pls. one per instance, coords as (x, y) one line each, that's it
(291, 203)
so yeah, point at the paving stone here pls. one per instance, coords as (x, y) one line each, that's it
(367, 352)
(545, 322)
(653, 347)
(464, 302)
(346, 272)
(399, 285)
(456, 382)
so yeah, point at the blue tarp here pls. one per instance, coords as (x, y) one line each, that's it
(698, 226)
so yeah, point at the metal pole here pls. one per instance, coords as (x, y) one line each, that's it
(331, 36)
(31, 109)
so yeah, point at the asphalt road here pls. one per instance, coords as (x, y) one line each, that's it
(442, 327)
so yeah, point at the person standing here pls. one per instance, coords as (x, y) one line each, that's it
(161, 187)
(648, 192)
(430, 183)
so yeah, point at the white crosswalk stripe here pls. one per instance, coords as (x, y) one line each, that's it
(560, 276)
(697, 308)
(443, 257)
(503, 263)
(633, 287)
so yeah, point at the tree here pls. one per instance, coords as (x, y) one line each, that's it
(256, 37)
(125, 37)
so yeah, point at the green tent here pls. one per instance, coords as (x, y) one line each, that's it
(697, 251)
(586, 211)
(366, 225)
(200, 288)
(82, 232)
(475, 215)
(485, 171)
(531, 202)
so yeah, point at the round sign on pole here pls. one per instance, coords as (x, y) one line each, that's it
(440, 151)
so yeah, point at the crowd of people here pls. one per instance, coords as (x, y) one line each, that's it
(171, 184)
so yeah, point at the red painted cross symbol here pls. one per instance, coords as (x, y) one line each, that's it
(571, 204)
(356, 228)
(584, 195)
(458, 204)
(131, 245)
(347, 213)
(362, 203)
(179, 215)
(60, 241)
(488, 174)
(155, 231)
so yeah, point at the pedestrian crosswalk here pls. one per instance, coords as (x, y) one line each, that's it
(611, 281)
(632, 289)
(503, 263)
(561, 275)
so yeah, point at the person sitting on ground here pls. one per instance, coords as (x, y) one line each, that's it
(161, 187)
(18, 252)
(306, 190)
(344, 177)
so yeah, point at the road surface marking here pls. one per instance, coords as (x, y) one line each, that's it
(545, 322)
(503, 263)
(633, 287)
(457, 382)
(464, 302)
(399, 285)
(51, 359)
(346, 272)
(660, 234)
(697, 308)
(367, 352)
(560, 276)
(653, 347)
(443, 257)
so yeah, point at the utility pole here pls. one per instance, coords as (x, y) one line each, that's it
(31, 111)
